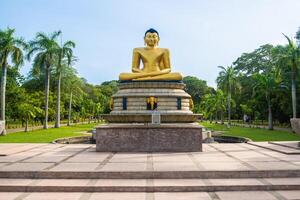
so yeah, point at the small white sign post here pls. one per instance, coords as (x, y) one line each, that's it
(155, 117)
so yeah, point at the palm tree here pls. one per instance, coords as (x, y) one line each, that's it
(10, 47)
(74, 87)
(293, 59)
(65, 54)
(45, 49)
(227, 81)
(213, 104)
(268, 82)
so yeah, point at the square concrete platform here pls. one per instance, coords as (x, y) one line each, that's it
(149, 138)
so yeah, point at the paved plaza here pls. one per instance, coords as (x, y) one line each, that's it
(81, 172)
(83, 157)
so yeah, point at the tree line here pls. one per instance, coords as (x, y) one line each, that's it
(261, 84)
(53, 89)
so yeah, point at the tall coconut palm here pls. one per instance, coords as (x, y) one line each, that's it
(292, 58)
(64, 54)
(227, 81)
(44, 48)
(268, 82)
(10, 48)
(74, 87)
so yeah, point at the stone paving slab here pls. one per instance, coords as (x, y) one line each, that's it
(246, 195)
(118, 196)
(121, 182)
(289, 194)
(182, 196)
(74, 167)
(25, 166)
(9, 195)
(53, 196)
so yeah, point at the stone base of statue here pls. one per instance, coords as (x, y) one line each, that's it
(149, 138)
(131, 122)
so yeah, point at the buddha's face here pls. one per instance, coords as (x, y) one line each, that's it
(151, 39)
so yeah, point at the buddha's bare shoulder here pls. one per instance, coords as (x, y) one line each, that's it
(138, 49)
(165, 50)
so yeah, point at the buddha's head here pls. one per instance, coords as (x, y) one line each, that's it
(151, 37)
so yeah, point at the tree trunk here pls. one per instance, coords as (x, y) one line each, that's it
(70, 109)
(47, 85)
(3, 87)
(216, 117)
(57, 122)
(229, 109)
(222, 117)
(270, 118)
(26, 125)
(294, 99)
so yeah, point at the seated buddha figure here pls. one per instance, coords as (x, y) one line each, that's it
(156, 62)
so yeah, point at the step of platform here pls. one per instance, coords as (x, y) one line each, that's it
(281, 148)
(228, 195)
(150, 174)
(147, 185)
(288, 144)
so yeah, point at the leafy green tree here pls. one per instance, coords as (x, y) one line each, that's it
(214, 104)
(263, 60)
(10, 48)
(44, 47)
(64, 54)
(227, 81)
(107, 89)
(220, 103)
(197, 89)
(298, 36)
(27, 110)
(246, 109)
(208, 106)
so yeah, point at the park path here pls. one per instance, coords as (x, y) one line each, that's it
(31, 128)
(259, 126)
(263, 127)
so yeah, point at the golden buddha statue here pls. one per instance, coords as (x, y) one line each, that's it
(156, 62)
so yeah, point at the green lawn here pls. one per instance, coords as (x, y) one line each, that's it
(254, 134)
(46, 136)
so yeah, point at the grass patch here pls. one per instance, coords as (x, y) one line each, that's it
(255, 134)
(46, 136)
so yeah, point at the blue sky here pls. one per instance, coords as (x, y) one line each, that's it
(201, 34)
